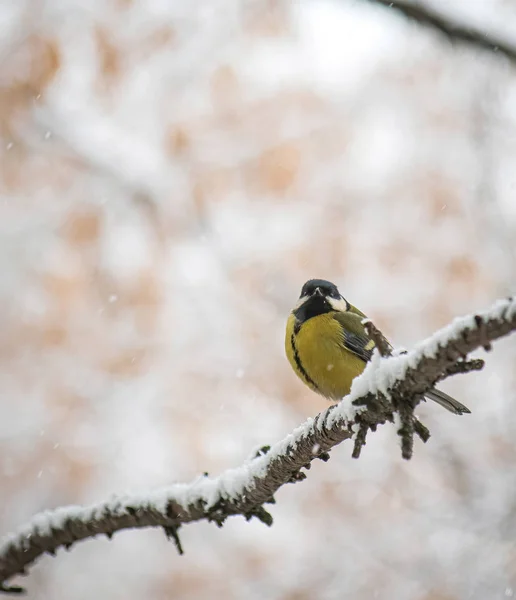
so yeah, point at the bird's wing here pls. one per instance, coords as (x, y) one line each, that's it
(355, 311)
(356, 340)
(354, 335)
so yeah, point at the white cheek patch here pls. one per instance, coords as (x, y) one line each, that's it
(301, 301)
(339, 305)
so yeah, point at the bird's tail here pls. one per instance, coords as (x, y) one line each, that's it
(447, 402)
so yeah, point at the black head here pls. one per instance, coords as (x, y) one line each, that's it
(327, 288)
(318, 296)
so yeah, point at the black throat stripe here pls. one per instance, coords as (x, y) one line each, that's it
(312, 307)
(299, 364)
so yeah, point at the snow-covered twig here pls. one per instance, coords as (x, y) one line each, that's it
(381, 343)
(453, 31)
(386, 383)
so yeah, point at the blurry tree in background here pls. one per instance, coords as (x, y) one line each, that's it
(170, 174)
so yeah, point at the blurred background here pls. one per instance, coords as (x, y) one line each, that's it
(171, 173)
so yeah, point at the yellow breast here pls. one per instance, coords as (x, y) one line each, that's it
(319, 358)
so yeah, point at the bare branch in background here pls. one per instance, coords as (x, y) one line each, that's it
(397, 381)
(455, 32)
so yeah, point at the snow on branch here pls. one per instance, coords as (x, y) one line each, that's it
(428, 17)
(391, 386)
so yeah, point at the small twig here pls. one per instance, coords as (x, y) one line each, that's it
(261, 514)
(381, 342)
(405, 409)
(463, 366)
(422, 431)
(454, 32)
(360, 440)
(171, 533)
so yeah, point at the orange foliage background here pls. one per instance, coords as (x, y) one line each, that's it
(170, 175)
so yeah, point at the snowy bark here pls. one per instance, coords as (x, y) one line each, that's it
(388, 390)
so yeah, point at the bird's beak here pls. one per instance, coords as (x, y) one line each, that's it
(318, 292)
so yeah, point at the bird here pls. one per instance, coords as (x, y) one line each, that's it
(328, 346)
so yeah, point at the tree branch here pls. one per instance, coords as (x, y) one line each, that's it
(455, 32)
(388, 389)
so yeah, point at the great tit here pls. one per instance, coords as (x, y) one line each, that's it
(327, 345)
